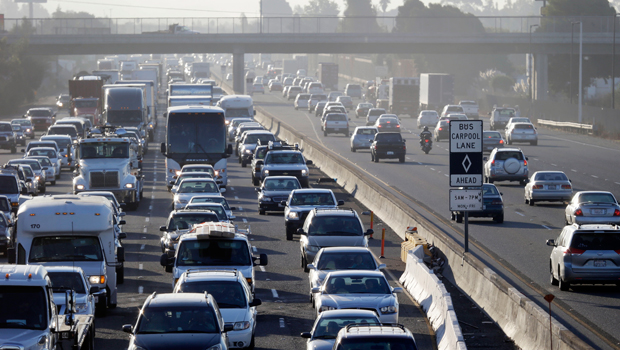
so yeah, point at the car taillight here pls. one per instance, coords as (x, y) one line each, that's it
(566, 187)
(440, 129)
(398, 126)
(380, 125)
(525, 162)
(501, 142)
(537, 187)
(578, 212)
(574, 251)
(617, 251)
(617, 212)
(493, 162)
(405, 148)
(426, 141)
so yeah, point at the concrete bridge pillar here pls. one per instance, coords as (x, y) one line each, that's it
(540, 84)
(238, 73)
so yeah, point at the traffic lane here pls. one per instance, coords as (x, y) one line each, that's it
(501, 246)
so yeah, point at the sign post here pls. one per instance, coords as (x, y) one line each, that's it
(466, 169)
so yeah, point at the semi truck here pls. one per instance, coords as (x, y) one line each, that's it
(403, 94)
(436, 90)
(124, 106)
(151, 102)
(328, 75)
(85, 99)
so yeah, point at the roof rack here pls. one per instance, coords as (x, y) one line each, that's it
(282, 146)
(339, 208)
(390, 325)
(218, 269)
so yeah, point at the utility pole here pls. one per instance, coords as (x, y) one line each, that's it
(580, 71)
(260, 3)
(613, 68)
(531, 76)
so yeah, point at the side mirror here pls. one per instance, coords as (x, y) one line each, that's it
(127, 328)
(551, 242)
(256, 302)
(526, 158)
(120, 254)
(254, 112)
(315, 290)
(311, 267)
(306, 335)
(369, 232)
(122, 235)
(172, 182)
(162, 228)
(309, 162)
(300, 231)
(93, 290)
(165, 261)
(23, 190)
(122, 222)
(228, 327)
(382, 266)
(69, 304)
(262, 260)
(397, 290)
(340, 203)
(163, 148)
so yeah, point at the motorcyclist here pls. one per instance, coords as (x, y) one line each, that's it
(425, 134)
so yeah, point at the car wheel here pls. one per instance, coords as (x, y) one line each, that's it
(252, 343)
(353, 149)
(499, 218)
(526, 201)
(120, 274)
(508, 141)
(401, 159)
(534, 143)
(531, 202)
(101, 306)
(459, 218)
(256, 181)
(289, 234)
(261, 212)
(564, 286)
(552, 279)
(324, 132)
(13, 149)
(376, 159)
(303, 262)
(244, 164)
(42, 190)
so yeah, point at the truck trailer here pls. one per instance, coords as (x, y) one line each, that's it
(436, 90)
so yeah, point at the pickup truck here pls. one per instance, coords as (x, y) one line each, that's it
(336, 123)
(388, 145)
(500, 117)
(470, 109)
(174, 29)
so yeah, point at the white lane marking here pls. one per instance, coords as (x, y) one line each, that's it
(275, 295)
(553, 164)
(153, 196)
(594, 176)
(140, 290)
(262, 268)
(254, 249)
(573, 170)
(141, 267)
(245, 221)
(236, 197)
(154, 188)
(142, 247)
(232, 188)
(145, 230)
(520, 213)
(433, 169)
(281, 321)
(240, 208)
(408, 158)
(446, 175)
(547, 227)
(146, 219)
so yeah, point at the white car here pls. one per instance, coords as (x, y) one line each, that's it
(49, 153)
(302, 100)
(517, 120)
(48, 167)
(329, 323)
(356, 289)
(65, 144)
(189, 188)
(315, 88)
(72, 278)
(214, 198)
(427, 118)
(217, 208)
(193, 175)
(522, 132)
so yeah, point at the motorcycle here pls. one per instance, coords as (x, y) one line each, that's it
(426, 144)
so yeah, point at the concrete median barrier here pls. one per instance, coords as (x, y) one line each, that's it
(519, 317)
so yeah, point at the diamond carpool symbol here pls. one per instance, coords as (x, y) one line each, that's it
(466, 163)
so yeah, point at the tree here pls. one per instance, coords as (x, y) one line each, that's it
(277, 8)
(321, 8)
(360, 17)
(384, 4)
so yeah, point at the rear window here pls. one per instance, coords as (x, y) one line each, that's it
(6, 127)
(366, 131)
(336, 117)
(61, 130)
(508, 155)
(596, 241)
(344, 99)
(596, 198)
(40, 113)
(455, 109)
(489, 190)
(467, 103)
(303, 97)
(354, 87)
(491, 135)
(524, 126)
(551, 177)
(376, 111)
(388, 137)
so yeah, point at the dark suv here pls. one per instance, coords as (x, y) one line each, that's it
(8, 140)
(364, 336)
(41, 118)
(388, 145)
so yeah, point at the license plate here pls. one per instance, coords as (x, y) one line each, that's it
(336, 129)
(597, 211)
(600, 263)
(551, 187)
(390, 153)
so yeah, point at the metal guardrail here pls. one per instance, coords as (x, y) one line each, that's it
(308, 24)
(566, 125)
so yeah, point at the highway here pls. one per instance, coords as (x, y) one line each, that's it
(516, 248)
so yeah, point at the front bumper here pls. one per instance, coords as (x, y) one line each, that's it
(127, 196)
(270, 206)
(240, 339)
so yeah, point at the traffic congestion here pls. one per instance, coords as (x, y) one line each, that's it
(148, 177)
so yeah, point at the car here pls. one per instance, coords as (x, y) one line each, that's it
(198, 168)
(447, 109)
(500, 116)
(5, 207)
(79, 124)
(339, 258)
(73, 278)
(353, 90)
(248, 144)
(180, 222)
(288, 81)
(548, 186)
(492, 140)
(31, 179)
(363, 137)
(39, 173)
(315, 99)
(427, 118)
(335, 123)
(302, 101)
(234, 297)
(373, 115)
(118, 211)
(286, 162)
(169, 319)
(50, 153)
(442, 130)
(319, 108)
(47, 167)
(346, 101)
(521, 132)
(316, 88)
(64, 129)
(359, 289)
(362, 109)
(233, 124)
(585, 254)
(63, 101)
(8, 139)
(275, 86)
(388, 123)
(26, 125)
(506, 164)
(334, 227)
(256, 88)
(214, 198)
(188, 175)
(492, 206)
(518, 120)
(6, 232)
(455, 116)
(19, 134)
(65, 148)
(273, 191)
(385, 336)
(293, 91)
(329, 323)
(333, 95)
(285, 90)
(217, 208)
(301, 202)
(194, 187)
(256, 165)
(41, 117)
(388, 145)
(592, 207)
(331, 108)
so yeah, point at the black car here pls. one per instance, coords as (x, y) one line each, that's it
(388, 145)
(8, 139)
(492, 206)
(491, 140)
(273, 191)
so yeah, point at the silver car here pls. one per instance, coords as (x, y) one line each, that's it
(353, 289)
(506, 164)
(47, 166)
(592, 207)
(340, 258)
(329, 323)
(193, 175)
(215, 198)
(362, 137)
(522, 132)
(585, 254)
(548, 186)
(49, 153)
(193, 187)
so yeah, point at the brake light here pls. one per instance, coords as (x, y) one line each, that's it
(398, 126)
(426, 141)
(405, 148)
(501, 142)
(617, 251)
(617, 212)
(440, 129)
(493, 162)
(380, 125)
(574, 251)
(566, 187)
(525, 162)
(578, 212)
(537, 187)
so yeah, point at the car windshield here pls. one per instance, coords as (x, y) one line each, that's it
(271, 184)
(63, 130)
(489, 190)
(491, 135)
(34, 165)
(62, 281)
(44, 161)
(192, 176)
(6, 127)
(61, 142)
(313, 199)
(346, 261)
(335, 226)
(17, 128)
(357, 285)
(551, 177)
(40, 113)
(92, 150)
(284, 158)
(364, 105)
(23, 307)
(85, 103)
(376, 112)
(198, 187)
(506, 112)
(214, 252)
(596, 241)
(328, 327)
(254, 138)
(28, 171)
(214, 199)
(185, 221)
(198, 170)
(65, 248)
(24, 122)
(520, 120)
(366, 131)
(302, 97)
(377, 343)
(228, 294)
(177, 319)
(508, 154)
(42, 152)
(596, 198)
(4, 205)
(214, 207)
(36, 144)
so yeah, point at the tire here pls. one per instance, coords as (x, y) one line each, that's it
(53, 182)
(426, 150)
(255, 181)
(376, 159)
(244, 164)
(324, 132)
(531, 202)
(120, 274)
(499, 218)
(508, 141)
(252, 343)
(552, 279)
(305, 264)
(13, 149)
(289, 234)
(353, 149)
(522, 182)
(459, 218)
(261, 212)
(534, 143)
(401, 159)
(564, 286)
(42, 191)
(101, 306)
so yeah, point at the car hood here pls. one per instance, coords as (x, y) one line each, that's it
(190, 341)
(234, 315)
(337, 241)
(277, 193)
(101, 164)
(305, 208)
(24, 337)
(355, 301)
(321, 344)
(285, 166)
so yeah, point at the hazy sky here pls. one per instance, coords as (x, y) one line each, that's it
(179, 8)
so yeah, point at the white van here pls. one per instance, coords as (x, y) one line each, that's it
(237, 106)
(72, 230)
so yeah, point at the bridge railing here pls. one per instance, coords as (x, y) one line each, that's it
(310, 25)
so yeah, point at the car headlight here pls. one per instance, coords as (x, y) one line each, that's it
(216, 173)
(215, 347)
(28, 130)
(293, 215)
(326, 308)
(304, 172)
(239, 326)
(182, 201)
(178, 172)
(248, 151)
(96, 279)
(266, 172)
(128, 185)
(312, 248)
(388, 309)
(79, 187)
(37, 178)
(265, 199)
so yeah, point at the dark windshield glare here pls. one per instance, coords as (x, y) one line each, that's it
(346, 261)
(198, 187)
(329, 327)
(191, 134)
(62, 281)
(313, 199)
(596, 198)
(85, 103)
(23, 307)
(283, 158)
(280, 184)
(5, 127)
(357, 285)
(264, 138)
(214, 253)
(335, 226)
(92, 150)
(65, 248)
(596, 241)
(177, 319)
(228, 294)
(219, 199)
(63, 130)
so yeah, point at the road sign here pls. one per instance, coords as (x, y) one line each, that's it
(466, 153)
(465, 200)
